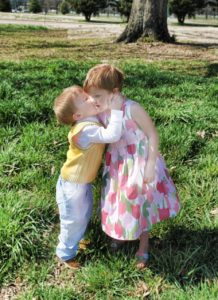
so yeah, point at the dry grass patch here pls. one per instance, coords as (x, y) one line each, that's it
(26, 44)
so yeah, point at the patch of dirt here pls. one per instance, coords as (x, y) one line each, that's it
(11, 291)
(195, 34)
(192, 42)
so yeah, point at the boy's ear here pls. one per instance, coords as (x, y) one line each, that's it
(77, 116)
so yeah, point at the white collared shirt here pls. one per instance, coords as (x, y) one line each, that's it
(95, 134)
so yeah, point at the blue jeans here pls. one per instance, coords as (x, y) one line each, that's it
(75, 208)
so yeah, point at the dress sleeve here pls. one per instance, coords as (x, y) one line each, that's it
(95, 134)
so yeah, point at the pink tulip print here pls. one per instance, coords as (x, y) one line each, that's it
(136, 211)
(118, 229)
(164, 213)
(132, 192)
(122, 207)
(131, 149)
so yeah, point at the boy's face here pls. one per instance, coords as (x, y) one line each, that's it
(85, 107)
(101, 98)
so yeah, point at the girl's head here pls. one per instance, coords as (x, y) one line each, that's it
(74, 104)
(105, 77)
(102, 82)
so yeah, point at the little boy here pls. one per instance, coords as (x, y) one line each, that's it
(87, 139)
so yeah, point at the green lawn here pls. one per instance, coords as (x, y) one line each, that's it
(181, 97)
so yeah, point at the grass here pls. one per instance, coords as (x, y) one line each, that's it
(181, 97)
(20, 28)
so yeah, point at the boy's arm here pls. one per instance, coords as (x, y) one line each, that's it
(96, 134)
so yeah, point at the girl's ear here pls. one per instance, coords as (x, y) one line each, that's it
(77, 116)
(115, 90)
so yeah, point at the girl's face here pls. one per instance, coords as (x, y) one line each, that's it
(101, 98)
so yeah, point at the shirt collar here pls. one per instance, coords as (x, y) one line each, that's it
(89, 119)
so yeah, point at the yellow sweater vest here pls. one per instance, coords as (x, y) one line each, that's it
(81, 165)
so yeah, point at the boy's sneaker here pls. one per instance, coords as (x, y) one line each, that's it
(72, 263)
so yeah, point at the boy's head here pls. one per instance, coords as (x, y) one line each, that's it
(74, 104)
(102, 81)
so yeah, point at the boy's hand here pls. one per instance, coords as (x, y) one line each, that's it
(116, 102)
(109, 103)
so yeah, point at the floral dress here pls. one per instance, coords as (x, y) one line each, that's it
(128, 205)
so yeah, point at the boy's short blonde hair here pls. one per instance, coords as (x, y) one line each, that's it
(64, 105)
(104, 76)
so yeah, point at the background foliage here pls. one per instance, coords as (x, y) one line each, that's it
(182, 8)
(5, 5)
(87, 7)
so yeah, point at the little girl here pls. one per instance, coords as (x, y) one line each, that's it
(137, 189)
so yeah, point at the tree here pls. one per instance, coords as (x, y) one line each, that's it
(64, 7)
(35, 7)
(5, 5)
(148, 18)
(181, 8)
(45, 5)
(111, 4)
(124, 8)
(87, 7)
(55, 5)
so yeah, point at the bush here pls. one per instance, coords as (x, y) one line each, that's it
(35, 6)
(124, 8)
(5, 5)
(181, 8)
(88, 7)
(64, 8)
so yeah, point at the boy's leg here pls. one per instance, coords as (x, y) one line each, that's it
(75, 208)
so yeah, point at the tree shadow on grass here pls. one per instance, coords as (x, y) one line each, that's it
(47, 45)
(184, 256)
(212, 70)
(195, 25)
(188, 256)
(103, 22)
(197, 44)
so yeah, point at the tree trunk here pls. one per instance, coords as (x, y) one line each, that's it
(134, 28)
(87, 17)
(148, 18)
(181, 19)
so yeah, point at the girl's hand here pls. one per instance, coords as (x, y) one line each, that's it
(149, 175)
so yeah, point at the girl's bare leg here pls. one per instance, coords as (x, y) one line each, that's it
(143, 248)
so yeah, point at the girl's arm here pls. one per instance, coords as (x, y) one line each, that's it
(145, 123)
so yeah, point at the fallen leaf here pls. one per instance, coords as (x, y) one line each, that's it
(52, 170)
(215, 134)
(201, 133)
(83, 244)
(214, 212)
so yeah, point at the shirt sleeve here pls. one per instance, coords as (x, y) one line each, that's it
(95, 134)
